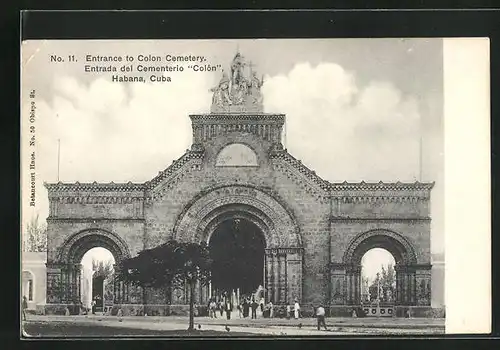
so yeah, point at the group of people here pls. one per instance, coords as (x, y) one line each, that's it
(247, 307)
(218, 306)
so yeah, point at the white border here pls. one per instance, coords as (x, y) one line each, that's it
(467, 185)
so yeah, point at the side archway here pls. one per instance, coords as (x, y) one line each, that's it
(404, 256)
(64, 274)
(393, 242)
(73, 249)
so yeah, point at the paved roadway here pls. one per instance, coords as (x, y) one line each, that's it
(269, 327)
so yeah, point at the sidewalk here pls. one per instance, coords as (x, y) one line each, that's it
(275, 327)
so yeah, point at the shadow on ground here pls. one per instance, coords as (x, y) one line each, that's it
(34, 329)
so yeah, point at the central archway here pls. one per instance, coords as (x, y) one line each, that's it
(237, 247)
(210, 218)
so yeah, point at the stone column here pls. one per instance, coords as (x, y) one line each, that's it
(73, 273)
(268, 276)
(356, 275)
(422, 285)
(276, 278)
(338, 296)
(349, 286)
(282, 278)
(54, 281)
(399, 285)
(294, 276)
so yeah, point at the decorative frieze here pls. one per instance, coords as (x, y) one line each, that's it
(95, 221)
(92, 199)
(208, 126)
(175, 167)
(385, 220)
(60, 187)
(292, 250)
(345, 192)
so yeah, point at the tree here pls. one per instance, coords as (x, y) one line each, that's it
(105, 270)
(102, 268)
(35, 239)
(387, 278)
(170, 264)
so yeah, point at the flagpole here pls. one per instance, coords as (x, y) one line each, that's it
(420, 146)
(58, 157)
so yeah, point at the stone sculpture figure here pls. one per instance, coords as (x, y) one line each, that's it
(240, 92)
(221, 92)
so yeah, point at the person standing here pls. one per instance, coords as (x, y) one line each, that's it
(288, 311)
(228, 308)
(221, 308)
(245, 308)
(240, 308)
(24, 306)
(271, 310)
(212, 308)
(320, 315)
(296, 309)
(254, 309)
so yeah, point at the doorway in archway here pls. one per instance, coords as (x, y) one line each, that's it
(237, 247)
(97, 279)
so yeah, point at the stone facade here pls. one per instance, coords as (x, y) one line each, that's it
(316, 232)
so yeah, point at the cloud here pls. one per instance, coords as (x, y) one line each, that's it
(116, 132)
(344, 131)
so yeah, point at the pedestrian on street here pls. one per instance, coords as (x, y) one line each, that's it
(24, 306)
(254, 309)
(320, 315)
(240, 309)
(246, 305)
(212, 308)
(296, 309)
(229, 308)
(221, 308)
(288, 311)
(271, 310)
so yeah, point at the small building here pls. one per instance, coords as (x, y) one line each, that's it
(34, 277)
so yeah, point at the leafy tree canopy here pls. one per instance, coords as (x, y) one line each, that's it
(170, 263)
(102, 268)
(35, 236)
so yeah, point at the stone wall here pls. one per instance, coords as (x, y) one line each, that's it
(327, 216)
(59, 230)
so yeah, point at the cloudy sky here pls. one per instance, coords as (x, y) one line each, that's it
(356, 110)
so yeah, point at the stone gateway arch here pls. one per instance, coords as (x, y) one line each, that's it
(313, 233)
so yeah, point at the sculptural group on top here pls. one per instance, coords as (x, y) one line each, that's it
(239, 92)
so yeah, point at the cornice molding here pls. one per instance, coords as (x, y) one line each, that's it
(104, 198)
(94, 187)
(380, 186)
(282, 250)
(227, 118)
(170, 171)
(90, 220)
(310, 175)
(388, 219)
